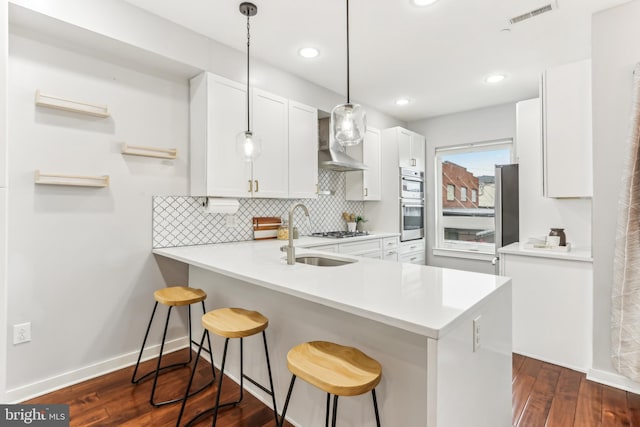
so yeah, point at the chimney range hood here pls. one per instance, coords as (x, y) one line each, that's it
(333, 156)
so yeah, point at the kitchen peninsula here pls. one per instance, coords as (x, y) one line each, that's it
(443, 336)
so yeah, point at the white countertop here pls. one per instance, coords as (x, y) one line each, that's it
(425, 300)
(573, 255)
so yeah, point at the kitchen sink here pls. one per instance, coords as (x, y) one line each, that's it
(323, 261)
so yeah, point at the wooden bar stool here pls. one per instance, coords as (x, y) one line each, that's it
(335, 369)
(232, 323)
(175, 296)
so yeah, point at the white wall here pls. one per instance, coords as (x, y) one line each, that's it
(484, 124)
(615, 51)
(81, 269)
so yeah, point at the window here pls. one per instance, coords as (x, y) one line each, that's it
(451, 192)
(467, 223)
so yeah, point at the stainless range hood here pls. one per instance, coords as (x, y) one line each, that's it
(333, 156)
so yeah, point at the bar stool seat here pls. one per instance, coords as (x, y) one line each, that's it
(335, 369)
(232, 323)
(174, 296)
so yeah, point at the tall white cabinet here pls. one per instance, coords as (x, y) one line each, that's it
(287, 167)
(411, 148)
(365, 185)
(566, 130)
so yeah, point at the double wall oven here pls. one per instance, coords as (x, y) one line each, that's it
(411, 204)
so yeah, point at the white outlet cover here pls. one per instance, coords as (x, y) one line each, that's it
(22, 333)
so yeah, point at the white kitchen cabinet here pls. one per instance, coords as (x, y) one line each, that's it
(365, 185)
(270, 171)
(411, 148)
(567, 142)
(390, 248)
(552, 305)
(303, 151)
(218, 111)
(412, 251)
(289, 142)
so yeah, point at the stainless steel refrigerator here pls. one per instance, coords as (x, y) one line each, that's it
(507, 210)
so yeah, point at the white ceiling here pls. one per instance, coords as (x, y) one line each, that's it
(437, 56)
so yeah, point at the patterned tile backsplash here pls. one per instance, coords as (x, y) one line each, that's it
(182, 221)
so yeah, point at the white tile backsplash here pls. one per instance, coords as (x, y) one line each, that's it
(182, 221)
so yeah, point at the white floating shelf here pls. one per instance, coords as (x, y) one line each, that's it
(58, 103)
(71, 180)
(159, 153)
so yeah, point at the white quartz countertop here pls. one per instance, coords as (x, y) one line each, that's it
(573, 255)
(425, 300)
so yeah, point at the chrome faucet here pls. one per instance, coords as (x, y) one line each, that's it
(289, 249)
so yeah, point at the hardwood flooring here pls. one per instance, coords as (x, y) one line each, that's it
(544, 395)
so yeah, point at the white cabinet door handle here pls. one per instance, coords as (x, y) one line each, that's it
(250, 186)
(366, 192)
(257, 185)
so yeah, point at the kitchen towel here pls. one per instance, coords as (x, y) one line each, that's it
(625, 291)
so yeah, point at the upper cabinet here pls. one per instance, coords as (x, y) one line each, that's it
(270, 115)
(303, 151)
(287, 166)
(365, 185)
(411, 149)
(566, 130)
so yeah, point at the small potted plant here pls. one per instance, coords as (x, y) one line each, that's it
(360, 223)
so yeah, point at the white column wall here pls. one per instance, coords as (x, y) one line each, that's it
(615, 51)
(4, 54)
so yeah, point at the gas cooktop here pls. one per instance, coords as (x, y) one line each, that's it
(340, 234)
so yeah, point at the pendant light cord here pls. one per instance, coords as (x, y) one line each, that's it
(248, 46)
(348, 91)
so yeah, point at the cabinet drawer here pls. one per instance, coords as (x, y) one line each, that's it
(326, 248)
(413, 258)
(409, 247)
(358, 247)
(376, 254)
(390, 254)
(390, 242)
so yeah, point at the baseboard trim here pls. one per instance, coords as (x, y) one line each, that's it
(553, 362)
(38, 388)
(613, 379)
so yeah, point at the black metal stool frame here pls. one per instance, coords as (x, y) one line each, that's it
(219, 405)
(335, 406)
(159, 368)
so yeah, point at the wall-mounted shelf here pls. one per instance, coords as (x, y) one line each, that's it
(159, 153)
(71, 180)
(58, 103)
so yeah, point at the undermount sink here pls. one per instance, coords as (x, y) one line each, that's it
(323, 261)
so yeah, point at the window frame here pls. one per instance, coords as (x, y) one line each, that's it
(459, 248)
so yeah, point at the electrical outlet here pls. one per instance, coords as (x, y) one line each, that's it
(476, 333)
(22, 333)
(231, 221)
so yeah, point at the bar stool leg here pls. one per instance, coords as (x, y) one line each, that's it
(224, 359)
(286, 402)
(335, 410)
(155, 377)
(273, 393)
(213, 369)
(193, 373)
(327, 410)
(375, 407)
(144, 341)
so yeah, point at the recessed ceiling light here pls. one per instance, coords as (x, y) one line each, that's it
(309, 52)
(402, 101)
(496, 78)
(423, 3)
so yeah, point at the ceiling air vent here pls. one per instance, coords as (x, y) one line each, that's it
(533, 13)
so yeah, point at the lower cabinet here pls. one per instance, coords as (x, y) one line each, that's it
(385, 248)
(552, 308)
(412, 251)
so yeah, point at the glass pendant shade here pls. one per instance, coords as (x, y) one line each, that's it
(248, 146)
(348, 124)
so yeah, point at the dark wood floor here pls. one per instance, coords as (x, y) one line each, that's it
(544, 395)
(547, 395)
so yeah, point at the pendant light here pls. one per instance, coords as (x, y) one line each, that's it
(248, 145)
(348, 121)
